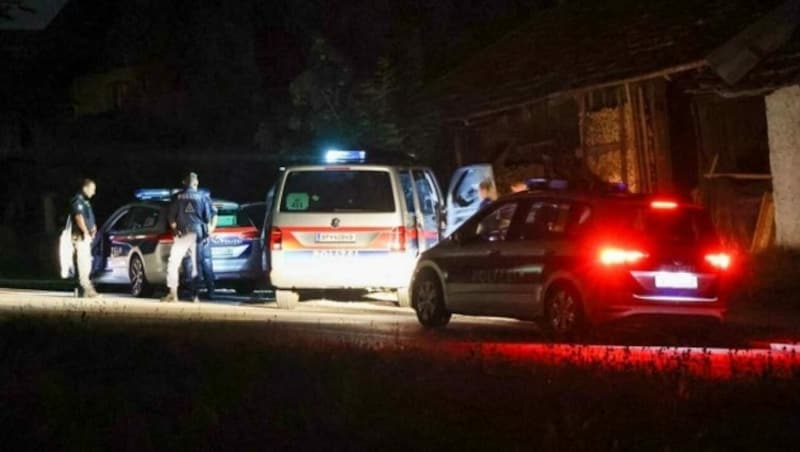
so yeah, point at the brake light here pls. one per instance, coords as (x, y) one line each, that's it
(618, 256)
(275, 239)
(166, 238)
(721, 261)
(398, 240)
(250, 234)
(664, 205)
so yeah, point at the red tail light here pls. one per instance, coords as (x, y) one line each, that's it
(275, 239)
(249, 234)
(721, 261)
(166, 238)
(619, 256)
(398, 241)
(663, 204)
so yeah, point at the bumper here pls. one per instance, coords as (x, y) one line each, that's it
(236, 269)
(616, 296)
(385, 271)
(610, 308)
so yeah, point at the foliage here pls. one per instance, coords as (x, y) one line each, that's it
(381, 109)
(8, 6)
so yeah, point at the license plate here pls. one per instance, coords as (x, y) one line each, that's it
(222, 252)
(676, 281)
(335, 237)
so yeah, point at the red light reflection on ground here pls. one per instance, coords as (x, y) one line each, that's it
(715, 363)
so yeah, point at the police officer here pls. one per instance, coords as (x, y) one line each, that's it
(486, 192)
(192, 218)
(204, 262)
(84, 227)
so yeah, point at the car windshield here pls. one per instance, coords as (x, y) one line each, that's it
(327, 191)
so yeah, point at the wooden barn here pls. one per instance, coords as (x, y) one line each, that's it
(695, 97)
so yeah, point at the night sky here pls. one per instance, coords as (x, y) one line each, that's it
(216, 79)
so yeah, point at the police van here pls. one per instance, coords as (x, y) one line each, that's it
(360, 221)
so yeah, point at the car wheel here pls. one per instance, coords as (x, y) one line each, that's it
(403, 297)
(139, 285)
(428, 301)
(287, 299)
(245, 288)
(563, 313)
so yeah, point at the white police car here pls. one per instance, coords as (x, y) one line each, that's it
(133, 246)
(360, 221)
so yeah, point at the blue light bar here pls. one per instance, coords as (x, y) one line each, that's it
(345, 156)
(541, 183)
(618, 187)
(144, 194)
(148, 194)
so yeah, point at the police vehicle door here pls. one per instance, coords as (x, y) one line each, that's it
(428, 213)
(113, 249)
(462, 194)
(479, 273)
(544, 246)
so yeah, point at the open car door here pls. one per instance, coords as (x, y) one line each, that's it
(462, 193)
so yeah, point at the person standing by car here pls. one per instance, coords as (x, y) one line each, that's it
(192, 219)
(486, 192)
(204, 263)
(84, 228)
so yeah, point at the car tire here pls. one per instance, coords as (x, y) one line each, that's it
(287, 299)
(564, 317)
(427, 299)
(139, 285)
(403, 297)
(245, 288)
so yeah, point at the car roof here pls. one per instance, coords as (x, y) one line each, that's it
(372, 156)
(164, 202)
(351, 166)
(601, 198)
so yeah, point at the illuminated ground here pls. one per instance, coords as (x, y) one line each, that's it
(736, 349)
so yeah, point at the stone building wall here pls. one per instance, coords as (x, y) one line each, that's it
(783, 124)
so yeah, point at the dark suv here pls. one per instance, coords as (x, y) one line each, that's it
(570, 260)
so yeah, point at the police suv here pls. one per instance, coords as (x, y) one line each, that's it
(360, 221)
(132, 247)
(570, 260)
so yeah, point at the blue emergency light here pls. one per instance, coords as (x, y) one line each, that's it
(345, 156)
(541, 183)
(617, 187)
(149, 194)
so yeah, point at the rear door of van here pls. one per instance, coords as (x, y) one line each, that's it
(336, 226)
(424, 205)
(462, 193)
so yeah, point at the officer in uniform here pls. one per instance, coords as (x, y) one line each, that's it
(84, 227)
(192, 218)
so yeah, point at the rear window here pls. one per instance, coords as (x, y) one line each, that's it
(684, 225)
(232, 218)
(337, 191)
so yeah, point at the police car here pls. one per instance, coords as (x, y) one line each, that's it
(571, 260)
(132, 247)
(359, 221)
